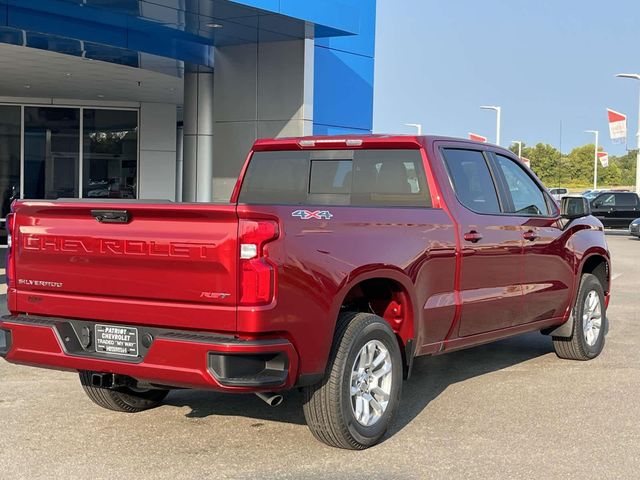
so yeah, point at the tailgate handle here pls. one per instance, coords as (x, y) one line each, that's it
(111, 216)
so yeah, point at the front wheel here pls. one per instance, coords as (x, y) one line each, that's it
(589, 323)
(354, 405)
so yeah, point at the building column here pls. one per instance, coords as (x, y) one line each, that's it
(198, 135)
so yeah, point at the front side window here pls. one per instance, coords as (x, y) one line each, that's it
(607, 200)
(528, 198)
(471, 180)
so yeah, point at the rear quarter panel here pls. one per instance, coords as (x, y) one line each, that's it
(319, 261)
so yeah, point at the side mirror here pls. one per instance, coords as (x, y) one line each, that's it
(574, 207)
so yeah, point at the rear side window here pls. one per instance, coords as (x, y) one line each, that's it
(382, 178)
(472, 180)
(626, 199)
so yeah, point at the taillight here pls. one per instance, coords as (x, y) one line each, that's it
(257, 274)
(10, 225)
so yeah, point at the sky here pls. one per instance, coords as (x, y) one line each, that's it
(545, 62)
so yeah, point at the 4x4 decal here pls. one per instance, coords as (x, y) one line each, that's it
(317, 214)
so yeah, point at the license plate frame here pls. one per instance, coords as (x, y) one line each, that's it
(116, 341)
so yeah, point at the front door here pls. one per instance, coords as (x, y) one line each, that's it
(603, 208)
(490, 281)
(548, 274)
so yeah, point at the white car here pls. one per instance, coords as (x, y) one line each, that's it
(558, 193)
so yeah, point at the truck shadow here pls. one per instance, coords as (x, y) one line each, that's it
(431, 376)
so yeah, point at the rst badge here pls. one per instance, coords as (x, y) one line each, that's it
(317, 214)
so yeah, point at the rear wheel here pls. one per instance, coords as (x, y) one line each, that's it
(353, 406)
(122, 399)
(589, 323)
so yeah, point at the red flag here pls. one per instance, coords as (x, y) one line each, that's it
(477, 138)
(617, 126)
(604, 158)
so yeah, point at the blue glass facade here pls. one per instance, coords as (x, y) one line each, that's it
(118, 30)
(344, 77)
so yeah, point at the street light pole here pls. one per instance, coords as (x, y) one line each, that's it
(417, 126)
(595, 161)
(635, 76)
(519, 143)
(498, 111)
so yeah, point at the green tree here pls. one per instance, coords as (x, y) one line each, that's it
(627, 166)
(545, 162)
(578, 169)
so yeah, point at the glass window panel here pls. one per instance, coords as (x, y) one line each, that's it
(110, 153)
(382, 178)
(527, 197)
(390, 178)
(9, 155)
(9, 161)
(626, 199)
(276, 177)
(51, 152)
(472, 180)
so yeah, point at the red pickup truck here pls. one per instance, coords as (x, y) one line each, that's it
(337, 262)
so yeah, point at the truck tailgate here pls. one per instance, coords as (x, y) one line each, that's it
(159, 264)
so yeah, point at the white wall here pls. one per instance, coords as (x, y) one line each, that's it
(263, 90)
(157, 166)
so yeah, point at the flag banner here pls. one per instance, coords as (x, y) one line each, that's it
(604, 158)
(617, 126)
(477, 138)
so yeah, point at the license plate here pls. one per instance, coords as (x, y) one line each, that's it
(115, 340)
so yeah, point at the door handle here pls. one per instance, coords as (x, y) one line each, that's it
(530, 235)
(473, 236)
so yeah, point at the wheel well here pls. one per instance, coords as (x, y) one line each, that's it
(598, 266)
(389, 300)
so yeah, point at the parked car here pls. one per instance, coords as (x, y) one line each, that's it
(558, 193)
(616, 209)
(338, 261)
(591, 194)
(634, 228)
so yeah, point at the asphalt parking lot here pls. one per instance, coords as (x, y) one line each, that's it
(506, 410)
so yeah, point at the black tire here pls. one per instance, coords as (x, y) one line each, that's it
(123, 399)
(576, 347)
(328, 404)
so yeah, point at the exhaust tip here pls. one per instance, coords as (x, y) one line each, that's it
(271, 399)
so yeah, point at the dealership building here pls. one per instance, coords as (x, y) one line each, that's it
(161, 99)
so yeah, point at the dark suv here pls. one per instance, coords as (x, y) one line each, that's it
(616, 209)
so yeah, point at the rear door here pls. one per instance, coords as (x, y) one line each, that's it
(490, 282)
(161, 264)
(626, 210)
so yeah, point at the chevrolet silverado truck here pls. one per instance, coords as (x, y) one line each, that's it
(336, 263)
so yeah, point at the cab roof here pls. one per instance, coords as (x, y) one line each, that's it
(337, 142)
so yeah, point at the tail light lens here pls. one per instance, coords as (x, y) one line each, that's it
(10, 224)
(257, 273)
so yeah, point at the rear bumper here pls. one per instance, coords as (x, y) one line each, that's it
(172, 358)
